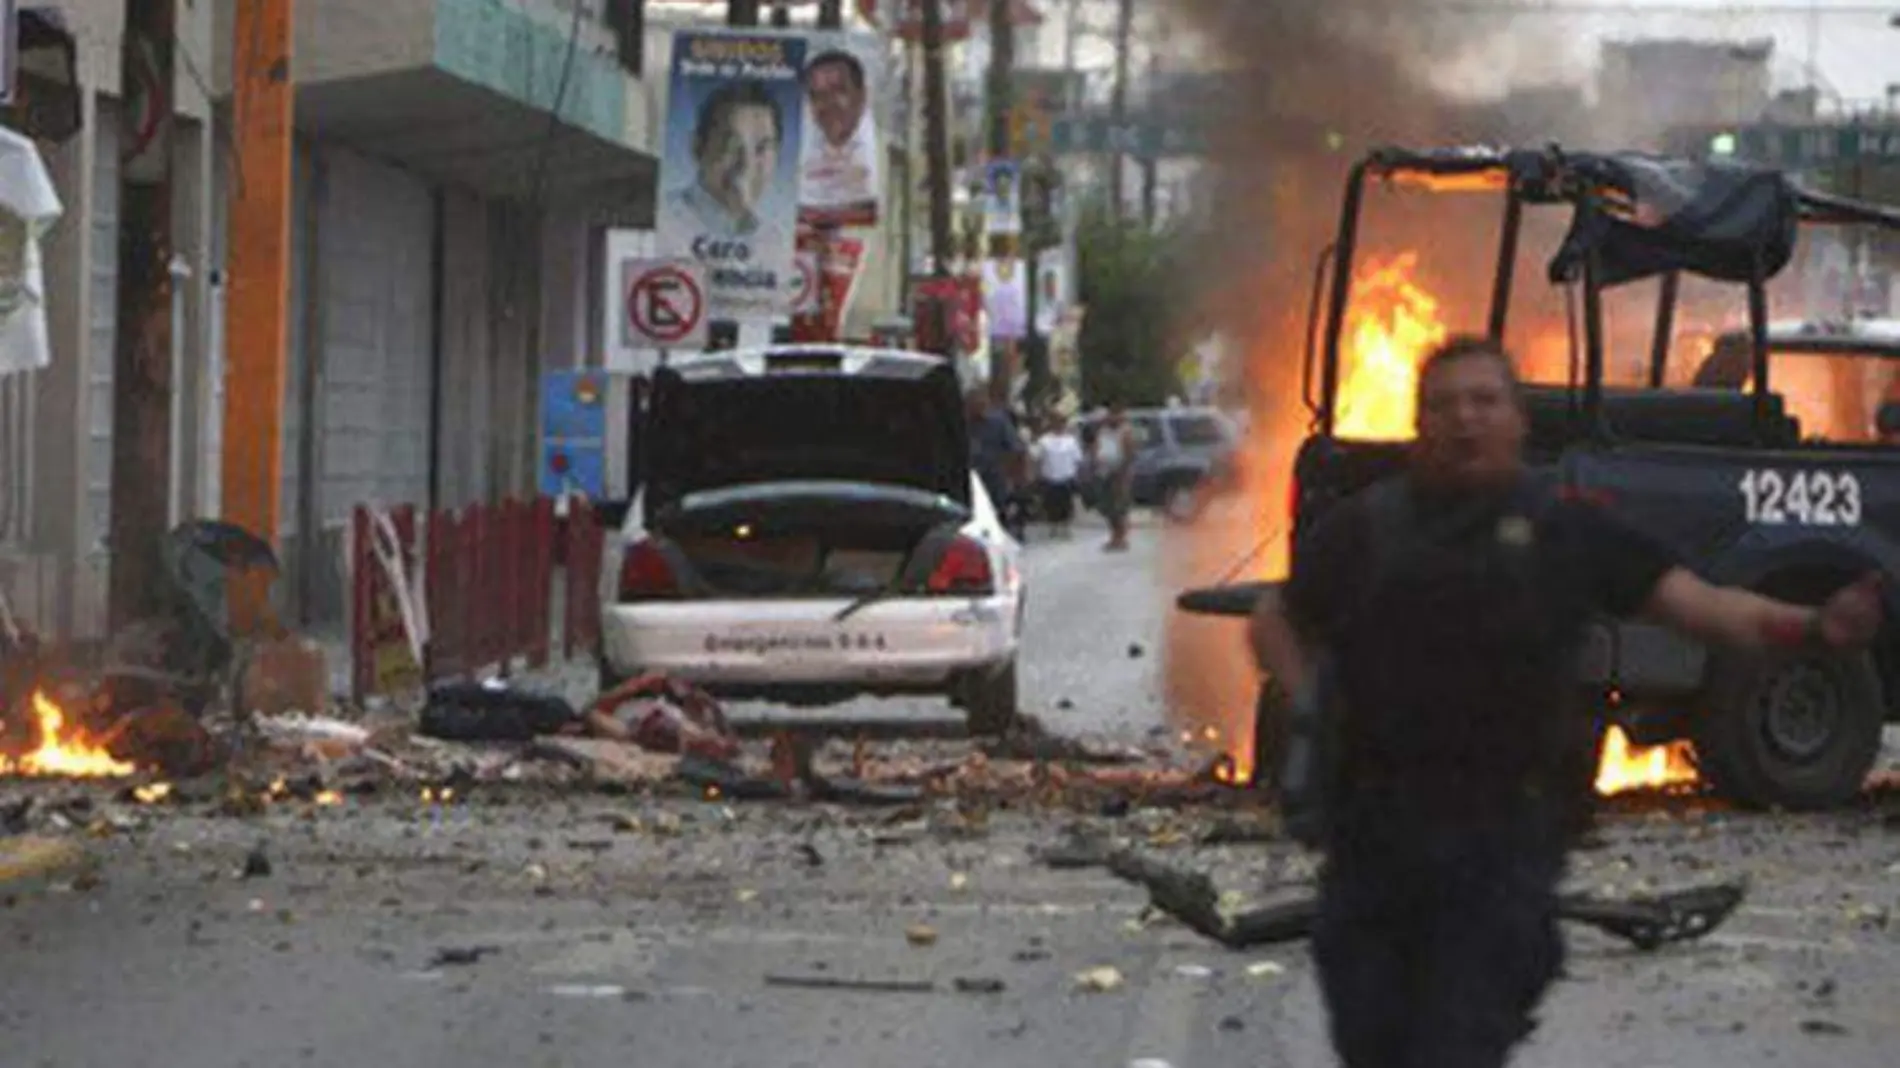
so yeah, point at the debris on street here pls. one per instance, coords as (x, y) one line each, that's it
(1646, 922)
(873, 986)
(461, 955)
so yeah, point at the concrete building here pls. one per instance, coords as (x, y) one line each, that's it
(54, 555)
(1646, 88)
(429, 288)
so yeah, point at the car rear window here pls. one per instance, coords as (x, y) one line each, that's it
(1194, 430)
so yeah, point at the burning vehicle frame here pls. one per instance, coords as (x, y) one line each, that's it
(1722, 473)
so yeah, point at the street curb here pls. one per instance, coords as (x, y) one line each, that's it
(31, 857)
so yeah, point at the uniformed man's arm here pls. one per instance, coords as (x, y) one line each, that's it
(1639, 576)
(1289, 622)
(1741, 619)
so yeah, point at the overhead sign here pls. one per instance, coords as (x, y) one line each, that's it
(664, 304)
(1818, 145)
(1143, 137)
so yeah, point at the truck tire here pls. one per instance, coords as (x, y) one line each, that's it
(991, 703)
(1799, 733)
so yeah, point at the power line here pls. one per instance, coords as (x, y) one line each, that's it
(1588, 8)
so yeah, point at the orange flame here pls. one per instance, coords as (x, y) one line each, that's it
(1393, 324)
(1626, 767)
(63, 752)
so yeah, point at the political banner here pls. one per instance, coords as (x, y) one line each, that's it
(730, 171)
(1052, 290)
(828, 265)
(1003, 198)
(842, 181)
(1006, 299)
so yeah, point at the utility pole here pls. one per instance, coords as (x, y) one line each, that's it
(1150, 167)
(1003, 354)
(143, 384)
(1002, 70)
(936, 137)
(1118, 101)
(936, 310)
(257, 300)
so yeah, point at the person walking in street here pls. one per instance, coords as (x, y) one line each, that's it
(1113, 466)
(1058, 456)
(1436, 616)
(997, 454)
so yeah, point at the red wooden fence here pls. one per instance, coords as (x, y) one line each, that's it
(586, 538)
(489, 572)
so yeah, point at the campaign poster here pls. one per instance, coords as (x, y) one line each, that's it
(840, 164)
(1003, 198)
(1052, 292)
(1006, 298)
(828, 265)
(730, 173)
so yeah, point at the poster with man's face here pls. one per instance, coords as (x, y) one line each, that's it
(1002, 197)
(842, 181)
(730, 173)
(1052, 292)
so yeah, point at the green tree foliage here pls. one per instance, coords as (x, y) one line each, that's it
(1138, 285)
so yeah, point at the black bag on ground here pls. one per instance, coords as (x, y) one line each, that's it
(472, 712)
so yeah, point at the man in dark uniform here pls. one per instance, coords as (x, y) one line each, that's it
(1449, 604)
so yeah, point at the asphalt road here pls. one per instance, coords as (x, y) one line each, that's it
(518, 932)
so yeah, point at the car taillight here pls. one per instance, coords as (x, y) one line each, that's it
(645, 574)
(964, 569)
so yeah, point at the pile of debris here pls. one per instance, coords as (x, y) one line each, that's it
(653, 735)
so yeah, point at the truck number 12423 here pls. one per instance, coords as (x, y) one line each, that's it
(1807, 498)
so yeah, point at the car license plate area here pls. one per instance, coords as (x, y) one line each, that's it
(794, 642)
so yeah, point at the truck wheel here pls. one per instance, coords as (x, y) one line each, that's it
(991, 702)
(1799, 734)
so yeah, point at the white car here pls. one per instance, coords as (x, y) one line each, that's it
(808, 529)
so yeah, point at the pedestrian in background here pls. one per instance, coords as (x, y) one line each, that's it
(1058, 455)
(1113, 465)
(997, 453)
(1443, 609)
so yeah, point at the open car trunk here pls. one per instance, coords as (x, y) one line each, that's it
(807, 481)
(808, 539)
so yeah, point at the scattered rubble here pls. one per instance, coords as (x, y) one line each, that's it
(1645, 921)
(832, 982)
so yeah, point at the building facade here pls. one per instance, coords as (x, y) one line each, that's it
(457, 162)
